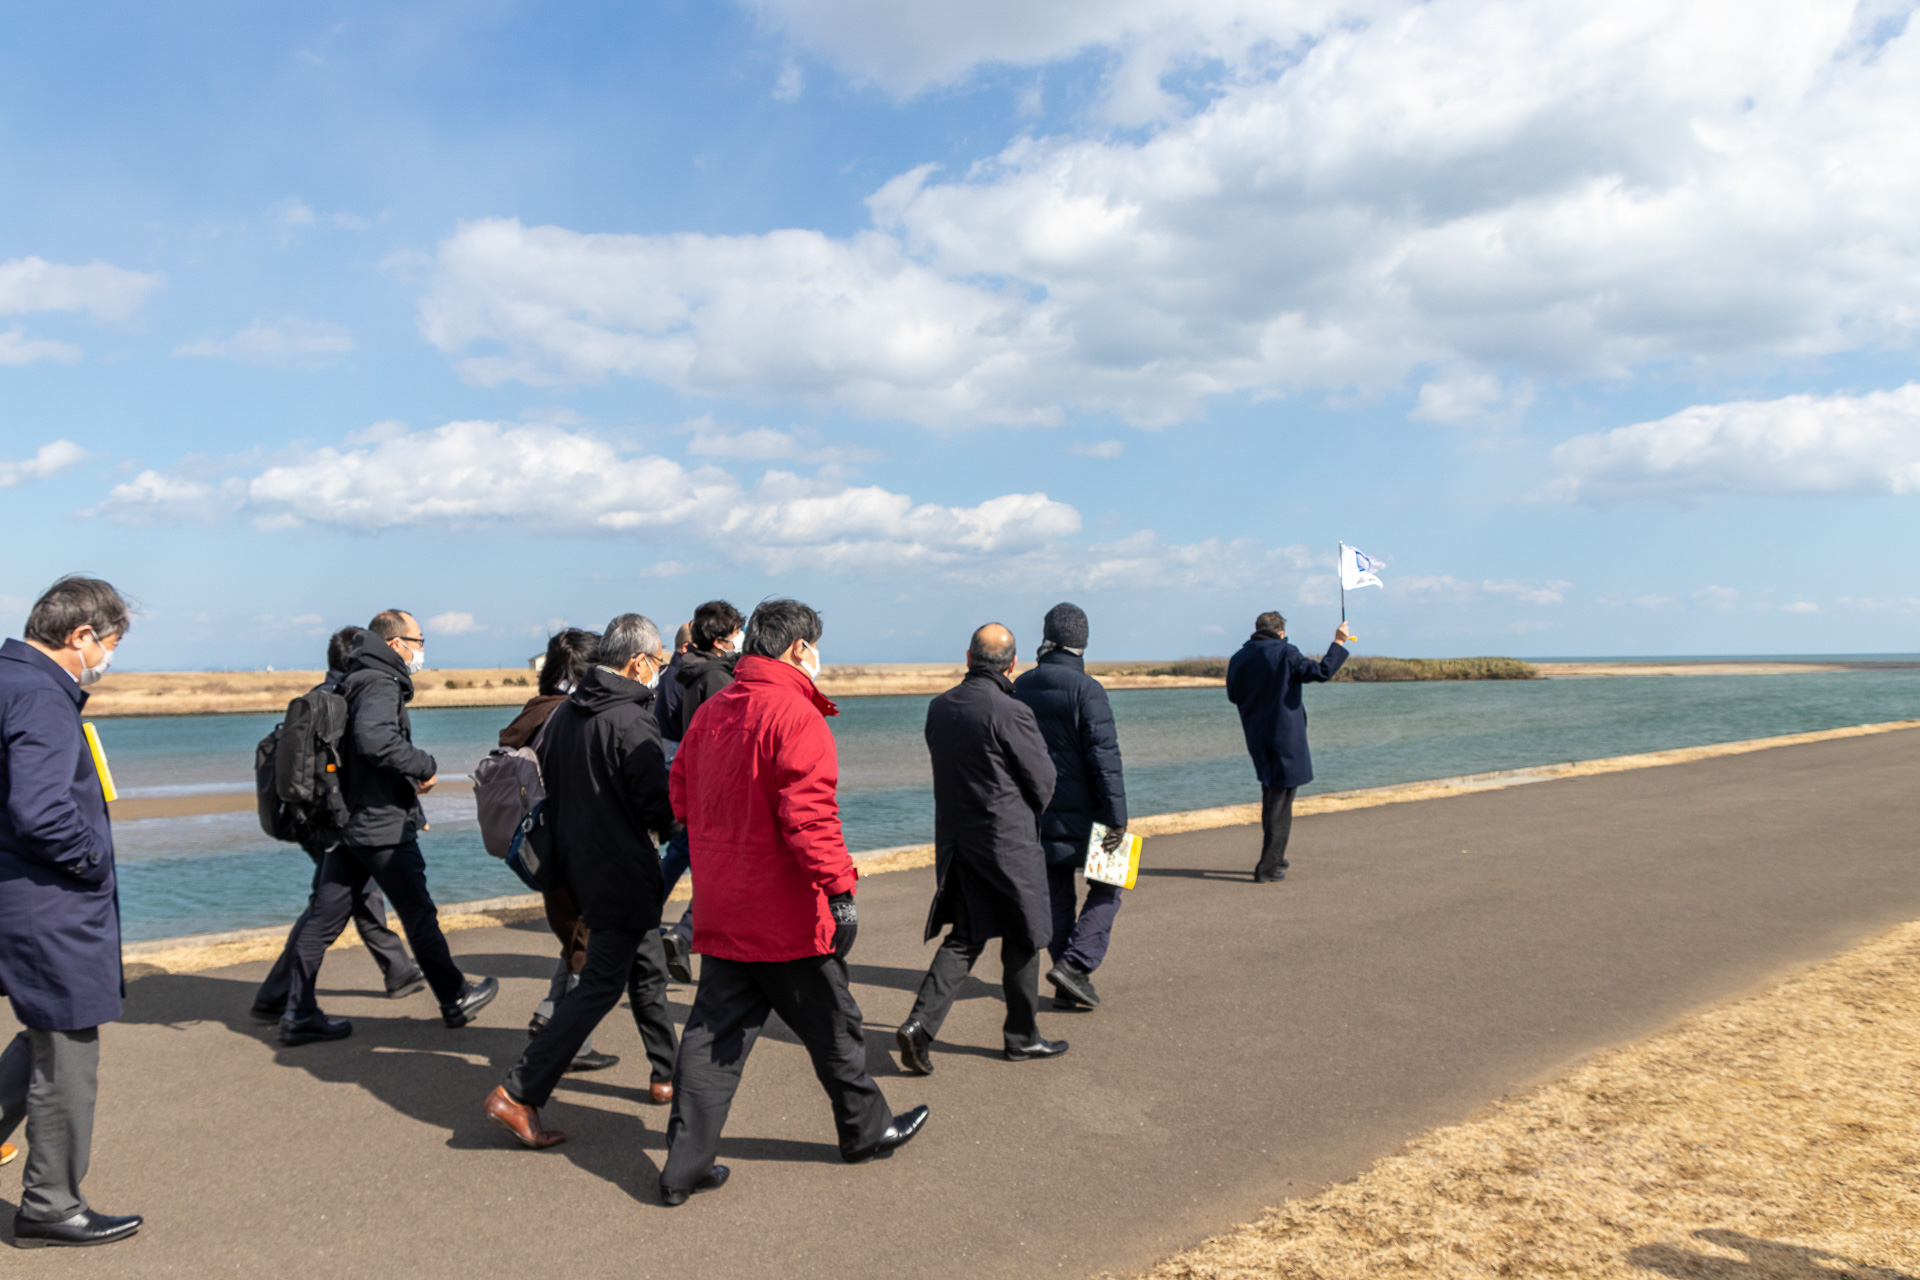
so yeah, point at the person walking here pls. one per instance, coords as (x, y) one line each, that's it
(666, 699)
(59, 907)
(1264, 681)
(1076, 720)
(992, 777)
(400, 975)
(385, 776)
(699, 673)
(568, 659)
(605, 771)
(756, 781)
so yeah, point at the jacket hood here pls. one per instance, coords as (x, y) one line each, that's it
(526, 725)
(754, 669)
(1258, 636)
(695, 663)
(1061, 658)
(370, 653)
(602, 689)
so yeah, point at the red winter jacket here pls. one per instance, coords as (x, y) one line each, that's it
(756, 781)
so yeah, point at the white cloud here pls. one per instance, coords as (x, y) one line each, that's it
(1721, 598)
(48, 459)
(1102, 449)
(542, 479)
(1554, 592)
(1447, 589)
(17, 348)
(1321, 194)
(1800, 606)
(1805, 444)
(791, 83)
(102, 289)
(453, 624)
(1470, 398)
(288, 343)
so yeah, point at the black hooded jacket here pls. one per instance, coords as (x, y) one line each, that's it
(383, 766)
(701, 673)
(605, 770)
(1076, 719)
(991, 778)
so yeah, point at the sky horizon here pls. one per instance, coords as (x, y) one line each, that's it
(1592, 323)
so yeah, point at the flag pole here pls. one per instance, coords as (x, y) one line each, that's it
(1340, 572)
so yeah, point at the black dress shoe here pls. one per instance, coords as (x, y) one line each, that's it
(1075, 982)
(898, 1134)
(591, 1061)
(1260, 879)
(716, 1178)
(85, 1227)
(307, 1027)
(679, 956)
(535, 1026)
(407, 985)
(914, 1044)
(1040, 1048)
(476, 997)
(1063, 1003)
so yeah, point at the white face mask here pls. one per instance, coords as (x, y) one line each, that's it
(418, 662)
(653, 681)
(811, 668)
(91, 675)
(735, 640)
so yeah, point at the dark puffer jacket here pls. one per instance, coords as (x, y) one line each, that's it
(1077, 721)
(605, 769)
(702, 673)
(383, 766)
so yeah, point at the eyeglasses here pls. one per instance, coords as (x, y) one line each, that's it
(419, 640)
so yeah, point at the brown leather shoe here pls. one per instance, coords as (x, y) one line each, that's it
(660, 1094)
(521, 1120)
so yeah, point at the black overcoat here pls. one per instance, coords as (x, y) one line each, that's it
(1076, 720)
(383, 767)
(991, 779)
(59, 904)
(1264, 680)
(605, 769)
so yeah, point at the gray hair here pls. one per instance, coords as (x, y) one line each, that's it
(627, 637)
(75, 602)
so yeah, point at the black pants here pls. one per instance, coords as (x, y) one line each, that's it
(1276, 825)
(734, 998)
(616, 959)
(370, 918)
(401, 873)
(1080, 933)
(1019, 979)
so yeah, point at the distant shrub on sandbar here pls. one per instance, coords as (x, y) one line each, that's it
(1378, 669)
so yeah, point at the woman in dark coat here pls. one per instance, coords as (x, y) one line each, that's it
(992, 777)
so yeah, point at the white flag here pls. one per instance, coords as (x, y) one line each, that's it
(1357, 568)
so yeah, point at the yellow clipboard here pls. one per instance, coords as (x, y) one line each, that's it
(100, 762)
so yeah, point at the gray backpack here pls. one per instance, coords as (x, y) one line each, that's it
(511, 798)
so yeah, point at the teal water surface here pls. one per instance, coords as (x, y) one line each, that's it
(1182, 748)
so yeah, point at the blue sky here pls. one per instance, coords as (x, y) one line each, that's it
(1594, 322)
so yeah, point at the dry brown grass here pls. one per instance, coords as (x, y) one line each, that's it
(1776, 1138)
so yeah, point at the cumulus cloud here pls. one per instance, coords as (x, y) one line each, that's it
(1324, 194)
(453, 624)
(289, 343)
(48, 459)
(765, 444)
(17, 348)
(105, 291)
(544, 479)
(1804, 444)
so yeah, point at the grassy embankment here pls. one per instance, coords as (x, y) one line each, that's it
(1363, 668)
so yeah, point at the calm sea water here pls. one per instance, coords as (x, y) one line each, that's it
(1182, 747)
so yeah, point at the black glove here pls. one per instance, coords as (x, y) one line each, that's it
(846, 923)
(1113, 838)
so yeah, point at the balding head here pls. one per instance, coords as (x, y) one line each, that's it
(991, 647)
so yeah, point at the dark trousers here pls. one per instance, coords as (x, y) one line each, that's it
(51, 1079)
(729, 1008)
(1019, 978)
(1276, 825)
(674, 861)
(617, 959)
(401, 873)
(370, 918)
(1080, 936)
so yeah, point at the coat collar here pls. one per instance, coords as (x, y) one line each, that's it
(998, 679)
(754, 669)
(21, 651)
(369, 652)
(1061, 658)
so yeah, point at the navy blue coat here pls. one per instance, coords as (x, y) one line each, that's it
(59, 899)
(1264, 680)
(1077, 721)
(382, 764)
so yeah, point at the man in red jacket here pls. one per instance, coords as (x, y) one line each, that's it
(755, 781)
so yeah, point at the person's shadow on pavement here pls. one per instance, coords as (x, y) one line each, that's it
(1765, 1258)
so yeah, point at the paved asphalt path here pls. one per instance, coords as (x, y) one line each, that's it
(1256, 1043)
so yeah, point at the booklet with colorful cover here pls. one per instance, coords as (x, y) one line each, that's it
(1119, 868)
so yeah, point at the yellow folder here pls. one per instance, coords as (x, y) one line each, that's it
(100, 762)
